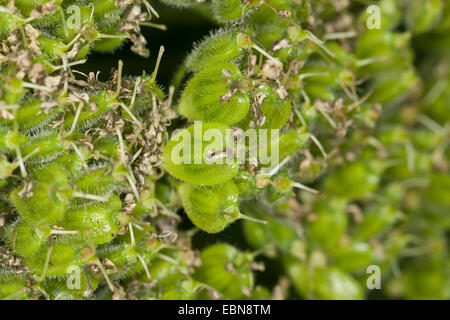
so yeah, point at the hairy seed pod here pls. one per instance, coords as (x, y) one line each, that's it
(210, 208)
(25, 6)
(46, 202)
(189, 146)
(13, 285)
(46, 146)
(227, 10)
(23, 238)
(131, 259)
(215, 95)
(98, 182)
(73, 162)
(226, 269)
(30, 119)
(220, 46)
(275, 109)
(246, 184)
(64, 253)
(10, 140)
(99, 219)
(70, 287)
(173, 284)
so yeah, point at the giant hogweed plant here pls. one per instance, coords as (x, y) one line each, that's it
(92, 199)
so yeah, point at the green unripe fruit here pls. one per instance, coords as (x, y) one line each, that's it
(390, 50)
(277, 232)
(13, 286)
(7, 23)
(376, 219)
(71, 287)
(290, 141)
(352, 181)
(319, 92)
(25, 6)
(319, 73)
(217, 48)
(105, 45)
(53, 48)
(353, 257)
(226, 269)
(122, 255)
(334, 284)
(45, 147)
(107, 147)
(275, 109)
(322, 283)
(171, 283)
(90, 117)
(387, 89)
(214, 95)
(287, 143)
(298, 273)
(72, 162)
(47, 201)
(13, 90)
(180, 287)
(269, 33)
(23, 238)
(210, 208)
(245, 183)
(191, 145)
(329, 223)
(11, 139)
(99, 219)
(29, 118)
(6, 169)
(255, 234)
(98, 181)
(226, 10)
(129, 258)
(107, 8)
(64, 253)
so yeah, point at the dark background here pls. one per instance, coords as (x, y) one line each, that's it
(184, 28)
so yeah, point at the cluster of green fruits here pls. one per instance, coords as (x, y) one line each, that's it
(92, 199)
